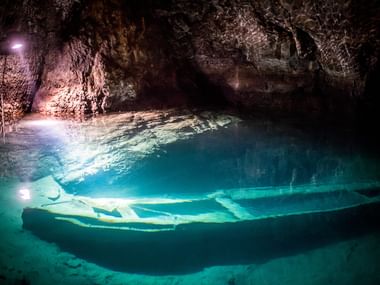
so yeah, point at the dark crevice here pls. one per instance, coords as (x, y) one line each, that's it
(71, 27)
(308, 46)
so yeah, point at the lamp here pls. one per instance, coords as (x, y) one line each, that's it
(17, 46)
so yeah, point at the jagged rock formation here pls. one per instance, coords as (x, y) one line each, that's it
(113, 56)
(96, 56)
(275, 54)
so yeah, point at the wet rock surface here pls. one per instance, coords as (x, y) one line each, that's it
(284, 56)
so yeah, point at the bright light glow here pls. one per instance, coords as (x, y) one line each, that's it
(43, 123)
(17, 46)
(24, 194)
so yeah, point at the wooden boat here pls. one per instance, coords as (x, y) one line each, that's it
(234, 226)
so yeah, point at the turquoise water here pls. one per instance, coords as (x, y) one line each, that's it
(106, 158)
(248, 154)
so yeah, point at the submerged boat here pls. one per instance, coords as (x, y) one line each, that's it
(184, 234)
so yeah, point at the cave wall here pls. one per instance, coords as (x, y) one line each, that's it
(115, 57)
(37, 25)
(307, 56)
(310, 57)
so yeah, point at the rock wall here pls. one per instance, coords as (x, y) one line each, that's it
(283, 55)
(37, 25)
(314, 57)
(115, 56)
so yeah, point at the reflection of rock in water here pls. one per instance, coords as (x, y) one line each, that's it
(242, 155)
(74, 150)
(172, 147)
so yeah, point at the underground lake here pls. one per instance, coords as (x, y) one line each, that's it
(175, 192)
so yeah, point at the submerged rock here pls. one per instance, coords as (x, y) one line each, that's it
(74, 263)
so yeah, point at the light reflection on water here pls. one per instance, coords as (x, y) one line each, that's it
(119, 155)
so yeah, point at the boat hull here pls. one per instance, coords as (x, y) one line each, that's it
(191, 247)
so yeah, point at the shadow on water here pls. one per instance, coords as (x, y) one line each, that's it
(190, 248)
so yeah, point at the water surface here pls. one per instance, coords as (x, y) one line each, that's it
(171, 154)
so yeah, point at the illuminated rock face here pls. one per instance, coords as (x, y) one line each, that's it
(115, 57)
(18, 90)
(37, 24)
(278, 55)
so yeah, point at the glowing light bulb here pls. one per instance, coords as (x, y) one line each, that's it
(16, 46)
(24, 194)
